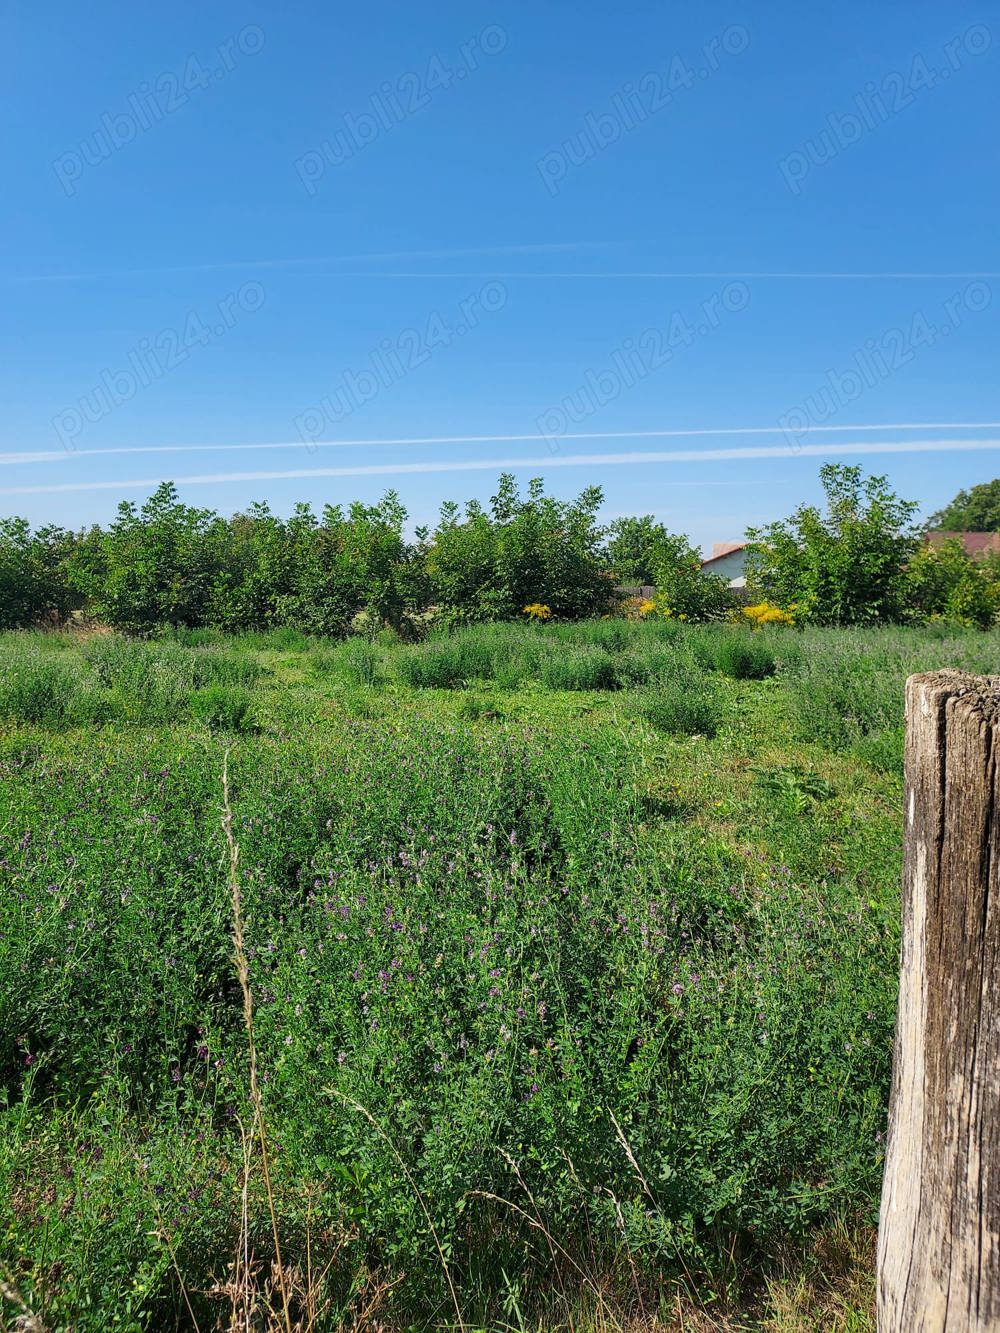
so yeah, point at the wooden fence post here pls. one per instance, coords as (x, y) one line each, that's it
(939, 1234)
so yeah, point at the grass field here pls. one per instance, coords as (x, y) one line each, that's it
(571, 954)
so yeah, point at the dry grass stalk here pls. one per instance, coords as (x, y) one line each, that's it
(258, 1126)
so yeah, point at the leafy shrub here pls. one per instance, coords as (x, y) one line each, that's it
(524, 551)
(844, 567)
(39, 690)
(359, 662)
(944, 583)
(744, 657)
(447, 663)
(223, 708)
(684, 591)
(579, 669)
(678, 707)
(32, 574)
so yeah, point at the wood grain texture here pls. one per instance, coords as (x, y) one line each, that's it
(939, 1234)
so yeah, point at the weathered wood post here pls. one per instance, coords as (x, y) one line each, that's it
(939, 1235)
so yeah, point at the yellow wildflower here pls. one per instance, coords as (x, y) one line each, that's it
(766, 614)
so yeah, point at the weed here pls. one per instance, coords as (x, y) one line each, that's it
(579, 669)
(744, 656)
(223, 708)
(688, 708)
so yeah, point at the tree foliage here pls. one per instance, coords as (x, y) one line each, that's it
(167, 563)
(945, 583)
(487, 565)
(636, 548)
(170, 564)
(682, 589)
(32, 580)
(842, 567)
(975, 510)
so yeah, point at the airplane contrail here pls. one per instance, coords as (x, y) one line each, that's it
(641, 457)
(55, 455)
(214, 266)
(752, 275)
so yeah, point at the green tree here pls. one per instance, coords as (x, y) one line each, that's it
(490, 565)
(33, 582)
(253, 571)
(844, 566)
(944, 583)
(636, 546)
(343, 564)
(681, 587)
(976, 510)
(154, 566)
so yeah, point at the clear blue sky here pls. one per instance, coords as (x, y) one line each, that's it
(237, 224)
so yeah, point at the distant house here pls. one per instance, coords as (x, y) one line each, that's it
(728, 560)
(975, 544)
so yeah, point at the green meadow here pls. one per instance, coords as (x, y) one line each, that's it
(547, 978)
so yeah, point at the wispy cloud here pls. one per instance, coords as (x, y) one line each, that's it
(554, 247)
(642, 458)
(23, 456)
(313, 267)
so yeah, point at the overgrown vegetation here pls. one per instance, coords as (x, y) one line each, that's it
(168, 564)
(572, 953)
(974, 510)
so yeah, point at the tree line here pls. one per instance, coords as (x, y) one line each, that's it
(859, 560)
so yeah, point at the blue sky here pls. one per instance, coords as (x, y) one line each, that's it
(234, 225)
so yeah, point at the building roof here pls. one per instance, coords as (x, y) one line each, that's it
(973, 543)
(721, 549)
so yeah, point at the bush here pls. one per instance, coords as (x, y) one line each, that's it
(684, 591)
(358, 661)
(32, 574)
(844, 567)
(529, 550)
(744, 657)
(944, 583)
(448, 663)
(579, 669)
(40, 691)
(222, 708)
(678, 707)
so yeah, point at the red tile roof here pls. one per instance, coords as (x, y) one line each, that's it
(974, 543)
(720, 549)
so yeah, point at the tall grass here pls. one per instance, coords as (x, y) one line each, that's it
(552, 1013)
(111, 679)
